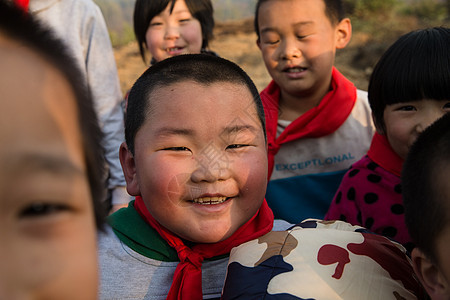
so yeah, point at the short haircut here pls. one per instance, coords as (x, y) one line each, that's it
(146, 10)
(25, 29)
(425, 185)
(201, 68)
(334, 10)
(416, 67)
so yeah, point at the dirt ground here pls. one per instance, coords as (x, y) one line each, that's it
(236, 41)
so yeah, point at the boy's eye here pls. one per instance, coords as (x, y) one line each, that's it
(155, 23)
(185, 20)
(40, 209)
(177, 149)
(236, 146)
(447, 105)
(271, 42)
(406, 108)
(270, 38)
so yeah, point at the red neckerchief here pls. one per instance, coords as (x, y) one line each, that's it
(187, 281)
(324, 119)
(23, 4)
(383, 155)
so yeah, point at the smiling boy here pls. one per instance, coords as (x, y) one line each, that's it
(195, 158)
(318, 123)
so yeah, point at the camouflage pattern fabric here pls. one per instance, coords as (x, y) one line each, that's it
(321, 260)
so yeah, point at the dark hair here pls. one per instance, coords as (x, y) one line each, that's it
(201, 68)
(334, 10)
(25, 29)
(415, 67)
(426, 194)
(146, 10)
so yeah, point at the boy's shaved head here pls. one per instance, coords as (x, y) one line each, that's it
(199, 68)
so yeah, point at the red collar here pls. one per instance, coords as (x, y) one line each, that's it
(383, 155)
(324, 119)
(23, 4)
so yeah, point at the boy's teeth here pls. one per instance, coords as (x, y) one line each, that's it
(210, 200)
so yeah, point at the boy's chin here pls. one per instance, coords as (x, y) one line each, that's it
(211, 237)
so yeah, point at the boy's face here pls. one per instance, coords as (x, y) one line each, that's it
(405, 121)
(174, 33)
(442, 251)
(47, 229)
(298, 44)
(443, 240)
(435, 274)
(200, 160)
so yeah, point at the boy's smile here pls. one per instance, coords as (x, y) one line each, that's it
(200, 160)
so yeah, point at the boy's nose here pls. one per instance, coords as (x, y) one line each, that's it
(210, 170)
(289, 50)
(172, 32)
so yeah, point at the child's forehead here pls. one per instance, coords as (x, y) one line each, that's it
(161, 94)
(184, 96)
(25, 69)
(32, 89)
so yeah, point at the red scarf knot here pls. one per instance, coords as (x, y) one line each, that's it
(187, 280)
(273, 148)
(185, 254)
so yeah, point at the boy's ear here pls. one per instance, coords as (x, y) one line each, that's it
(258, 43)
(129, 170)
(429, 275)
(343, 33)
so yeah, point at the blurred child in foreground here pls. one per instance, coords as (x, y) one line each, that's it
(80, 24)
(51, 165)
(426, 196)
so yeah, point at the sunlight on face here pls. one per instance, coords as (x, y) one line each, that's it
(47, 229)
